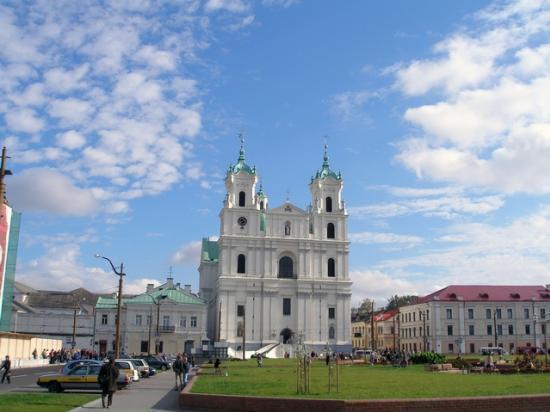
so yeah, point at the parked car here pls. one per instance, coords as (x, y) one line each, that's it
(80, 377)
(127, 366)
(74, 363)
(142, 367)
(156, 362)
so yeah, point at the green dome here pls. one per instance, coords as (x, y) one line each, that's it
(241, 165)
(325, 170)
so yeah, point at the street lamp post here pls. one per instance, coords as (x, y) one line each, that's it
(73, 342)
(535, 318)
(423, 318)
(120, 273)
(156, 302)
(495, 327)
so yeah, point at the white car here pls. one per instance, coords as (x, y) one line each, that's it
(127, 366)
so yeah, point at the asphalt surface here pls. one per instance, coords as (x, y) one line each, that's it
(24, 379)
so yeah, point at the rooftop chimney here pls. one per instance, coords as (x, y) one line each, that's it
(150, 287)
(188, 288)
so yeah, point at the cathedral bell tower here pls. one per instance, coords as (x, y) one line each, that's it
(240, 183)
(327, 213)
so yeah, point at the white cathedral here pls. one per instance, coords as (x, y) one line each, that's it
(279, 275)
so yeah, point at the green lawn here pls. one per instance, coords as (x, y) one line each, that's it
(278, 378)
(43, 402)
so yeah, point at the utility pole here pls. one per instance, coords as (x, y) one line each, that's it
(3, 172)
(150, 327)
(495, 327)
(118, 310)
(157, 338)
(372, 326)
(244, 333)
(73, 342)
(120, 274)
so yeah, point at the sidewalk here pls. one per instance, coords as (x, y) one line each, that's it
(150, 394)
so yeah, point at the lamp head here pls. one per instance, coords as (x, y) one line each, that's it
(97, 255)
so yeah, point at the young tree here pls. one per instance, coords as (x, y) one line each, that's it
(396, 301)
(364, 309)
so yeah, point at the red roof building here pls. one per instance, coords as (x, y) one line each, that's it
(465, 318)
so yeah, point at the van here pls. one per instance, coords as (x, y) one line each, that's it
(362, 353)
(126, 366)
(492, 350)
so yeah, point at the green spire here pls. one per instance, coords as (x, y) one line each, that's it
(261, 193)
(241, 165)
(325, 170)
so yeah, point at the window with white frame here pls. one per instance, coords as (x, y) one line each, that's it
(138, 320)
(193, 321)
(104, 319)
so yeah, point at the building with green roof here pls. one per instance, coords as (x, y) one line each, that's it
(164, 319)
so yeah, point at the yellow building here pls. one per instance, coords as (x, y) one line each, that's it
(358, 334)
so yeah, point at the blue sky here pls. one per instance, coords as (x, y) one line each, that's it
(121, 118)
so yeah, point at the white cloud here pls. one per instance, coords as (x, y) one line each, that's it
(495, 114)
(349, 105)
(377, 285)
(24, 120)
(71, 140)
(71, 111)
(188, 253)
(60, 268)
(234, 6)
(62, 81)
(46, 190)
(382, 238)
(512, 253)
(445, 207)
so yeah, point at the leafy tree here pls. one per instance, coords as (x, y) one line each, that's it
(364, 309)
(397, 301)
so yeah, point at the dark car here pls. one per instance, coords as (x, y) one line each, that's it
(156, 362)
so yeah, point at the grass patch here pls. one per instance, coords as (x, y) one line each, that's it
(43, 402)
(278, 378)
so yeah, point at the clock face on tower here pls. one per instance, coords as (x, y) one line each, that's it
(242, 221)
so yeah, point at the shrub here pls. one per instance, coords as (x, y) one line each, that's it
(426, 357)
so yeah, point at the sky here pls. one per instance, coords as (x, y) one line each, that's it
(121, 118)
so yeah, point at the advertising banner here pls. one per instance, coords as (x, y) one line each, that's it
(5, 218)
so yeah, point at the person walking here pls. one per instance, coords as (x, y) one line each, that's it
(6, 365)
(185, 369)
(107, 379)
(178, 371)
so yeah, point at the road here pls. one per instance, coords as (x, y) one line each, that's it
(24, 379)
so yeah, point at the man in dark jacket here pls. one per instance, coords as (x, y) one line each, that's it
(6, 365)
(107, 379)
(178, 370)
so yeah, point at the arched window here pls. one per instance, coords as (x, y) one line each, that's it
(331, 333)
(287, 229)
(241, 264)
(330, 231)
(262, 205)
(328, 204)
(286, 267)
(331, 268)
(242, 199)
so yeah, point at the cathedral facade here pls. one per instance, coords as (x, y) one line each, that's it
(279, 275)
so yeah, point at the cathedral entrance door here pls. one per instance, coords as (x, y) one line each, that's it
(286, 335)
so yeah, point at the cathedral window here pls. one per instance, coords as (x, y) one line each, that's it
(328, 204)
(287, 229)
(286, 267)
(240, 311)
(330, 231)
(241, 264)
(311, 228)
(262, 205)
(286, 306)
(331, 268)
(242, 199)
(331, 333)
